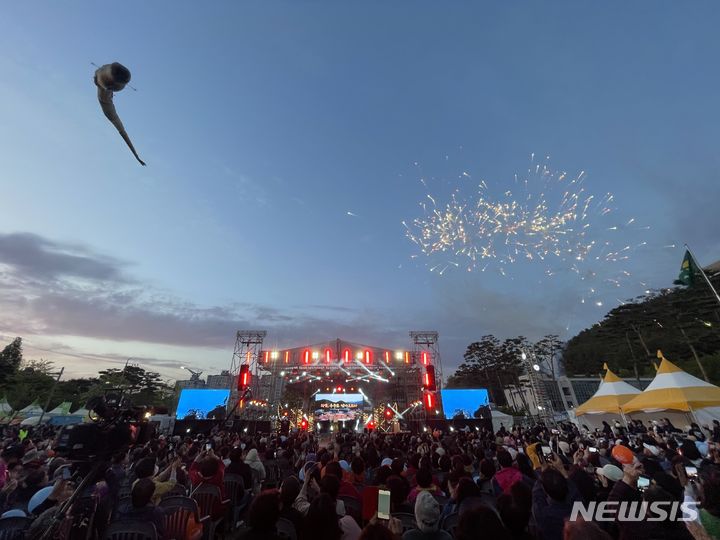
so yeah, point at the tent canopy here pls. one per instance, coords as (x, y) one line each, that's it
(674, 389)
(61, 410)
(612, 394)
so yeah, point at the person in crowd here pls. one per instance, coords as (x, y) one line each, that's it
(258, 470)
(480, 521)
(208, 469)
(584, 530)
(289, 490)
(664, 489)
(262, 517)
(142, 508)
(507, 475)
(552, 499)
(238, 466)
(427, 518)
(424, 481)
(346, 488)
(322, 521)
(164, 482)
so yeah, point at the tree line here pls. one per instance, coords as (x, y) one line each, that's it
(497, 365)
(24, 381)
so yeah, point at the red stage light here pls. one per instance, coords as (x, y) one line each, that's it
(424, 358)
(346, 356)
(368, 358)
(287, 356)
(407, 357)
(266, 356)
(328, 355)
(371, 425)
(387, 357)
(429, 378)
(430, 401)
(244, 377)
(389, 413)
(306, 356)
(303, 424)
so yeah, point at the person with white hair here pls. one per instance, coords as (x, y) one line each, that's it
(258, 469)
(427, 517)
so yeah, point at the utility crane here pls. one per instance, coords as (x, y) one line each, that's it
(194, 373)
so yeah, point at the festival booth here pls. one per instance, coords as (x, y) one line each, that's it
(606, 404)
(676, 395)
(500, 418)
(34, 409)
(5, 409)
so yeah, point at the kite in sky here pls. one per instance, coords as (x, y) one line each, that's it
(113, 78)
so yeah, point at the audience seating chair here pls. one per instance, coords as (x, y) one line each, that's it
(407, 520)
(449, 523)
(207, 496)
(178, 511)
(13, 528)
(353, 508)
(131, 530)
(286, 529)
(235, 492)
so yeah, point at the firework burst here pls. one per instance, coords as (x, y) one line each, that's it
(544, 217)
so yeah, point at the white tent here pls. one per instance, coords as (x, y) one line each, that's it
(501, 418)
(5, 407)
(674, 390)
(31, 410)
(61, 410)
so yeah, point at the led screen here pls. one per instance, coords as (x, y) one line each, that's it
(201, 403)
(465, 402)
(337, 407)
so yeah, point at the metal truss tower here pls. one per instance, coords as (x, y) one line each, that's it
(248, 347)
(426, 342)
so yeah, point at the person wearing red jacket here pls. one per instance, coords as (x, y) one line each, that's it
(208, 469)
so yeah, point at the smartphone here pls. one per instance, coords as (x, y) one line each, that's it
(691, 472)
(643, 483)
(67, 473)
(592, 449)
(546, 450)
(383, 504)
(208, 447)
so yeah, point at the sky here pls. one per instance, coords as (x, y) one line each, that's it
(284, 144)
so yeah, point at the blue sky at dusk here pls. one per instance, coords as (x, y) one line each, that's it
(264, 123)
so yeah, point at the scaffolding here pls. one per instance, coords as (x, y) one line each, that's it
(248, 348)
(426, 342)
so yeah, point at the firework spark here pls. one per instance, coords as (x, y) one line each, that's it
(545, 217)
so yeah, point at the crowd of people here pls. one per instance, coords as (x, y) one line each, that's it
(517, 483)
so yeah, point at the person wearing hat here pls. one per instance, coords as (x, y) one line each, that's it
(427, 517)
(607, 476)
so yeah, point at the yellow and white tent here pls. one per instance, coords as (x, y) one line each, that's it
(612, 394)
(673, 389)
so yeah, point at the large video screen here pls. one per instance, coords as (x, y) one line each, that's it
(337, 407)
(201, 404)
(464, 402)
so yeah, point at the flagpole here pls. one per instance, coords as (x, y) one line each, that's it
(699, 267)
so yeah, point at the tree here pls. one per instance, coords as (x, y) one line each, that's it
(482, 368)
(10, 359)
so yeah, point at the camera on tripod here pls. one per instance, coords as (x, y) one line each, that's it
(116, 425)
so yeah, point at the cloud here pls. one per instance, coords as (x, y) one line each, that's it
(53, 289)
(39, 257)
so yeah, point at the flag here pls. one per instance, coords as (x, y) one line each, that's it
(688, 269)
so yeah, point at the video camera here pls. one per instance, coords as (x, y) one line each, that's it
(116, 425)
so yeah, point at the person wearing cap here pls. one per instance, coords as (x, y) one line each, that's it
(427, 517)
(607, 476)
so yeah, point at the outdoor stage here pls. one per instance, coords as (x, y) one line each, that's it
(361, 386)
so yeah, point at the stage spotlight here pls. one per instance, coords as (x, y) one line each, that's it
(359, 355)
(315, 355)
(282, 373)
(327, 373)
(398, 355)
(274, 355)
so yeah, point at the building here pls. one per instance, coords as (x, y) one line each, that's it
(557, 395)
(224, 380)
